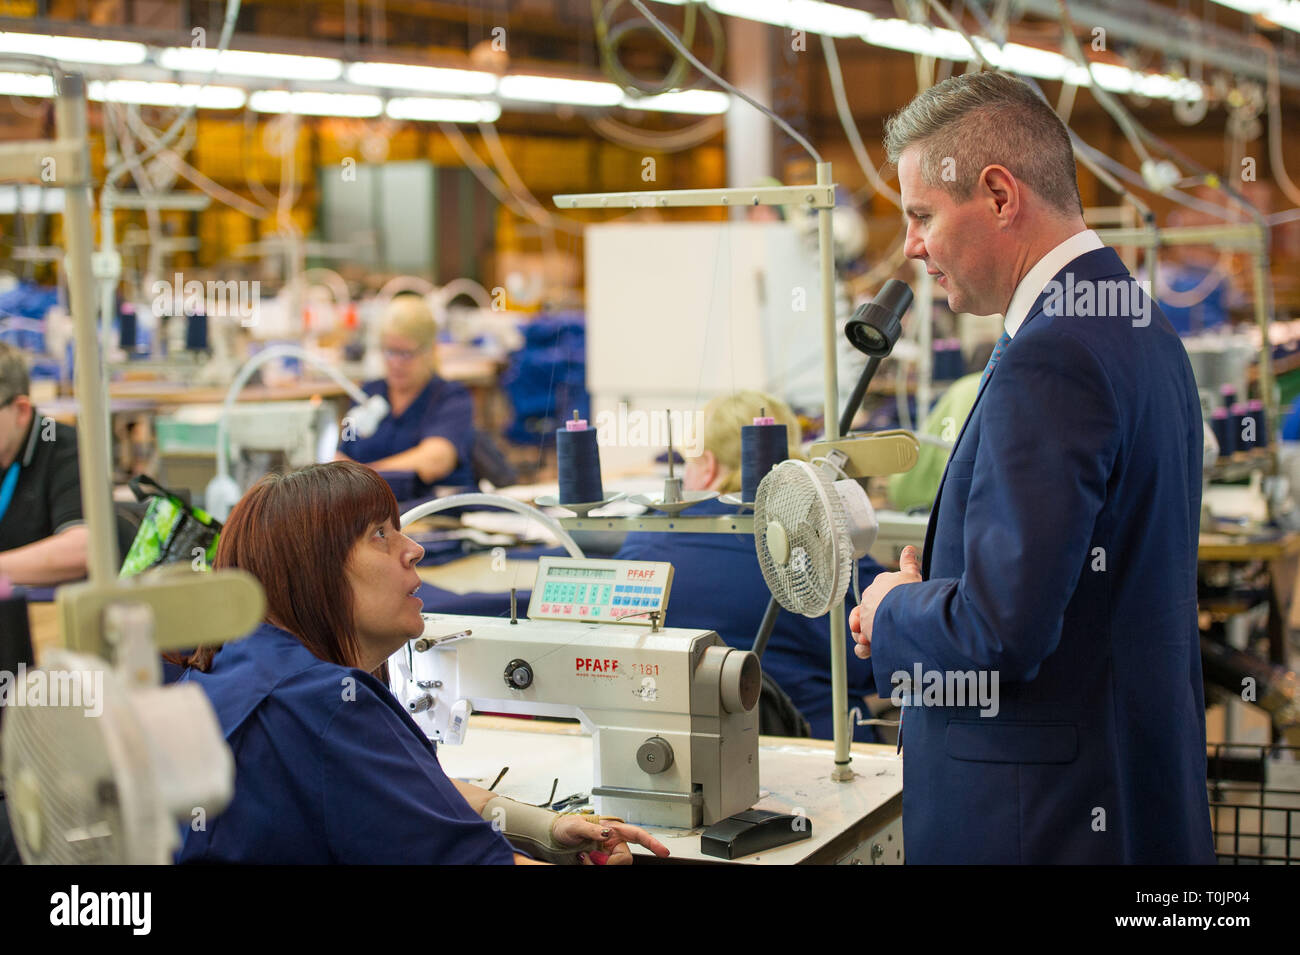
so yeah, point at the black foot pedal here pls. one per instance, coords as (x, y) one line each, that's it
(753, 831)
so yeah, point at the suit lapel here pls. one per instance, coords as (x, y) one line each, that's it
(1097, 264)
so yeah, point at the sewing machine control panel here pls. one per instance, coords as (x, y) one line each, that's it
(600, 591)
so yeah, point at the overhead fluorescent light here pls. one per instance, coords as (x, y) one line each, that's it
(554, 89)
(310, 103)
(1285, 13)
(809, 15)
(432, 110)
(74, 49)
(1026, 60)
(428, 79)
(281, 66)
(26, 84)
(703, 102)
(895, 34)
(31, 199)
(166, 94)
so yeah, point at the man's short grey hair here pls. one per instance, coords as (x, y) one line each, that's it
(981, 119)
(14, 380)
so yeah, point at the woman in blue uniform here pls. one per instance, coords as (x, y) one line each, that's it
(717, 584)
(429, 430)
(328, 767)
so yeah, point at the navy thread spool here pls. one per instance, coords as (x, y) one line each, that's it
(1222, 434)
(126, 333)
(763, 445)
(948, 364)
(1235, 414)
(1228, 394)
(1255, 407)
(196, 332)
(577, 456)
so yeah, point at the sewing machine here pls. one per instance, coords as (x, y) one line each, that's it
(672, 712)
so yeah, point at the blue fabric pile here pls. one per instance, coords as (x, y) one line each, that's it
(546, 380)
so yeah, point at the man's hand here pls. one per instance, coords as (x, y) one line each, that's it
(862, 618)
(573, 829)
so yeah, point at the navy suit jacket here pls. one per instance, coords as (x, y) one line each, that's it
(1061, 555)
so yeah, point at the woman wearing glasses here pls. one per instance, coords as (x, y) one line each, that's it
(430, 428)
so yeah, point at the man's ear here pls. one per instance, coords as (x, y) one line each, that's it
(1003, 190)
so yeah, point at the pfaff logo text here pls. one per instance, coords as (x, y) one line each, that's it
(594, 665)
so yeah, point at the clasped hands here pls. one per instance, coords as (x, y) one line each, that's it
(863, 617)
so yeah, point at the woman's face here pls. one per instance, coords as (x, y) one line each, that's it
(381, 572)
(407, 366)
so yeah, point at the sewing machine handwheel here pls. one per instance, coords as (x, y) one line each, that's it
(518, 675)
(655, 755)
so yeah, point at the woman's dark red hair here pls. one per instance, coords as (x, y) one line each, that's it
(294, 532)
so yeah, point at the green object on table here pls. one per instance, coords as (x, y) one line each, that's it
(171, 531)
(918, 486)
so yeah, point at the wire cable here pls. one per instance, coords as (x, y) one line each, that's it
(1108, 103)
(163, 141)
(1275, 157)
(860, 153)
(631, 137)
(676, 43)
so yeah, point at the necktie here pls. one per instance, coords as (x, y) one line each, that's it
(998, 349)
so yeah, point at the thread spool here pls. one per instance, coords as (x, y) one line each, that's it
(1236, 415)
(948, 364)
(578, 459)
(126, 329)
(196, 333)
(763, 445)
(1255, 408)
(1222, 433)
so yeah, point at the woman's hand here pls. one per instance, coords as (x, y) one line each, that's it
(573, 829)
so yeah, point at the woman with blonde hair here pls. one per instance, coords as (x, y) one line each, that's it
(429, 430)
(717, 584)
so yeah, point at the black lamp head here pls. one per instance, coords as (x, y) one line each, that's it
(876, 326)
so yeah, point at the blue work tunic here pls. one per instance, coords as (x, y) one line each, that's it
(717, 585)
(443, 409)
(328, 769)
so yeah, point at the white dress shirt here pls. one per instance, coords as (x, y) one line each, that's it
(1036, 279)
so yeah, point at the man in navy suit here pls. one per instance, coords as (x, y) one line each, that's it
(1060, 560)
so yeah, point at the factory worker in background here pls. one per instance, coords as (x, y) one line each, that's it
(42, 535)
(717, 584)
(430, 426)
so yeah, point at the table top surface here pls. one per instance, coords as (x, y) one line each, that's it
(1267, 546)
(455, 363)
(794, 776)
